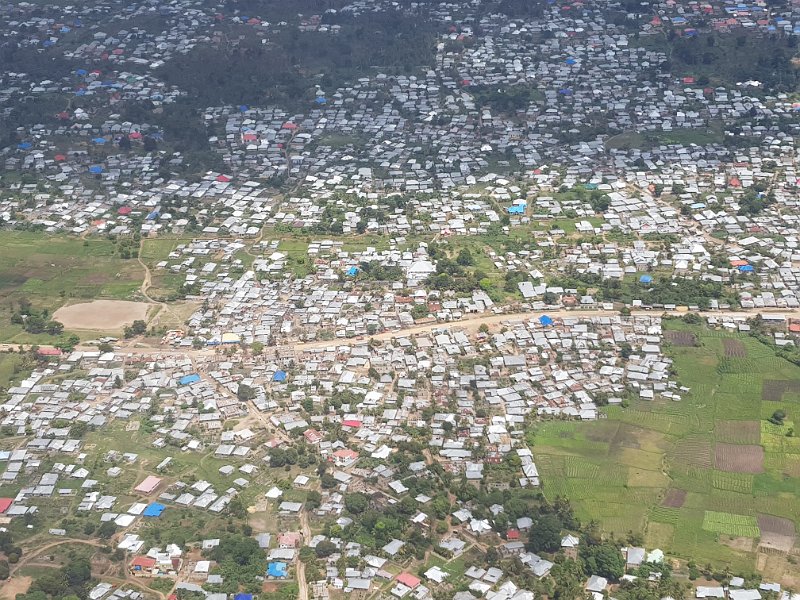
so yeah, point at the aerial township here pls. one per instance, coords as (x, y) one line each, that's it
(505, 309)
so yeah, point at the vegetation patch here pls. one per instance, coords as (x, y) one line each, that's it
(730, 524)
(738, 432)
(681, 338)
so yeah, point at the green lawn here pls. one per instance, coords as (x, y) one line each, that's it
(620, 470)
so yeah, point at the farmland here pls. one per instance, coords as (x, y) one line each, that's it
(707, 478)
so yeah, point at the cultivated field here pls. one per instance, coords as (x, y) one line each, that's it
(707, 478)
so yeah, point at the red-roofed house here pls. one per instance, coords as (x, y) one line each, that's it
(512, 535)
(142, 566)
(5, 503)
(48, 352)
(312, 436)
(344, 457)
(148, 486)
(409, 580)
(351, 423)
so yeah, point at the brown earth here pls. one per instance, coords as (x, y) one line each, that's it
(674, 498)
(101, 315)
(734, 348)
(18, 584)
(737, 458)
(774, 389)
(738, 432)
(681, 338)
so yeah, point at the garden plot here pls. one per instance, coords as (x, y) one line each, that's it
(738, 432)
(737, 458)
(734, 348)
(730, 524)
(681, 338)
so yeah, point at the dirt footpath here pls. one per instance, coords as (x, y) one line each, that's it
(101, 315)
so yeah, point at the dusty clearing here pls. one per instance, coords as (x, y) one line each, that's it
(15, 585)
(101, 315)
(739, 458)
(734, 348)
(681, 338)
(738, 432)
(674, 498)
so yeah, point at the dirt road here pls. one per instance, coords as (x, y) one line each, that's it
(302, 584)
(470, 323)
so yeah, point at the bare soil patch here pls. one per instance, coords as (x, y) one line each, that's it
(775, 541)
(101, 315)
(734, 348)
(16, 585)
(681, 338)
(738, 432)
(674, 498)
(774, 389)
(739, 458)
(773, 524)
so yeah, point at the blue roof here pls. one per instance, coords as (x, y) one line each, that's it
(545, 320)
(570, 61)
(352, 271)
(152, 216)
(243, 107)
(243, 597)
(321, 100)
(24, 145)
(99, 140)
(276, 569)
(81, 72)
(95, 169)
(154, 510)
(516, 209)
(646, 279)
(565, 92)
(186, 380)
(746, 268)
(279, 376)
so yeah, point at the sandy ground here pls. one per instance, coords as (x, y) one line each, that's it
(15, 585)
(101, 315)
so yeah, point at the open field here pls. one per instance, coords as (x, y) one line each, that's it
(53, 270)
(101, 315)
(707, 478)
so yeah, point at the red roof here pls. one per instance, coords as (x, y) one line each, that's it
(289, 125)
(793, 327)
(408, 579)
(48, 352)
(135, 135)
(143, 562)
(223, 178)
(351, 423)
(4, 504)
(60, 157)
(512, 534)
(124, 210)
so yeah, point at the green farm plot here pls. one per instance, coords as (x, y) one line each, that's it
(733, 525)
(677, 472)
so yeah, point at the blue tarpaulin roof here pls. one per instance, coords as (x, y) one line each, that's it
(99, 140)
(516, 209)
(186, 380)
(154, 510)
(352, 271)
(645, 279)
(746, 268)
(152, 216)
(545, 320)
(24, 145)
(276, 569)
(243, 597)
(95, 169)
(279, 376)
(321, 100)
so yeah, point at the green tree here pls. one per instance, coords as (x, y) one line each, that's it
(545, 535)
(605, 560)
